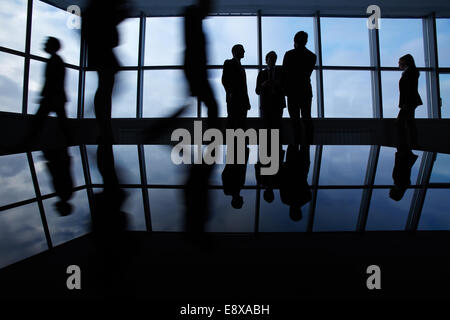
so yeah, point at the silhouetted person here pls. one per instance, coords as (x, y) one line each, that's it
(53, 93)
(268, 86)
(195, 57)
(294, 188)
(233, 180)
(234, 81)
(100, 29)
(409, 101)
(58, 165)
(298, 64)
(404, 161)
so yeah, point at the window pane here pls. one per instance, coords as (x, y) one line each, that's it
(164, 92)
(435, 213)
(386, 161)
(128, 49)
(77, 224)
(399, 37)
(160, 168)
(43, 174)
(13, 22)
(345, 42)
(444, 81)
(215, 79)
(278, 34)
(443, 38)
(127, 164)
(337, 210)
(390, 92)
(21, 234)
(224, 32)
(15, 179)
(167, 209)
(441, 169)
(224, 218)
(90, 87)
(343, 165)
(164, 41)
(134, 207)
(51, 21)
(11, 82)
(36, 83)
(348, 94)
(387, 214)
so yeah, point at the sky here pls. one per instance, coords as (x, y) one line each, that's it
(345, 42)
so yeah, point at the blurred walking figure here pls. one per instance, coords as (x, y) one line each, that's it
(409, 101)
(100, 31)
(268, 86)
(53, 93)
(234, 81)
(298, 64)
(195, 57)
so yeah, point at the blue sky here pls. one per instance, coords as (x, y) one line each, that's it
(347, 94)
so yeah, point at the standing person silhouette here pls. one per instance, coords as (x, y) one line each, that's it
(53, 93)
(268, 87)
(298, 64)
(409, 101)
(195, 57)
(234, 81)
(100, 31)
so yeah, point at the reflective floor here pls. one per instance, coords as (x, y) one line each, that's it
(346, 183)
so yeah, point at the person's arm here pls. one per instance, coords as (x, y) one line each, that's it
(259, 83)
(285, 73)
(226, 77)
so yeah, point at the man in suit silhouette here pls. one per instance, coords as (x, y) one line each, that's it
(234, 81)
(195, 56)
(268, 87)
(298, 65)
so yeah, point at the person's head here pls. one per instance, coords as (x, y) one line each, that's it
(268, 195)
(295, 213)
(205, 7)
(238, 51)
(300, 39)
(237, 201)
(271, 58)
(52, 45)
(407, 61)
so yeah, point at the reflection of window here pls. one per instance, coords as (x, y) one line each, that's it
(164, 41)
(399, 37)
(164, 92)
(343, 165)
(345, 41)
(224, 32)
(443, 38)
(127, 164)
(13, 22)
(15, 224)
(347, 94)
(441, 172)
(15, 179)
(278, 34)
(387, 214)
(435, 213)
(167, 209)
(160, 169)
(128, 49)
(11, 82)
(390, 91)
(329, 218)
(73, 226)
(36, 83)
(134, 208)
(51, 21)
(444, 81)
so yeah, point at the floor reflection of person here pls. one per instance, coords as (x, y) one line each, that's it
(294, 187)
(404, 161)
(409, 101)
(233, 180)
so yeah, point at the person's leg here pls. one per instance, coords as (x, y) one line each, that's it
(207, 96)
(63, 123)
(294, 113)
(305, 106)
